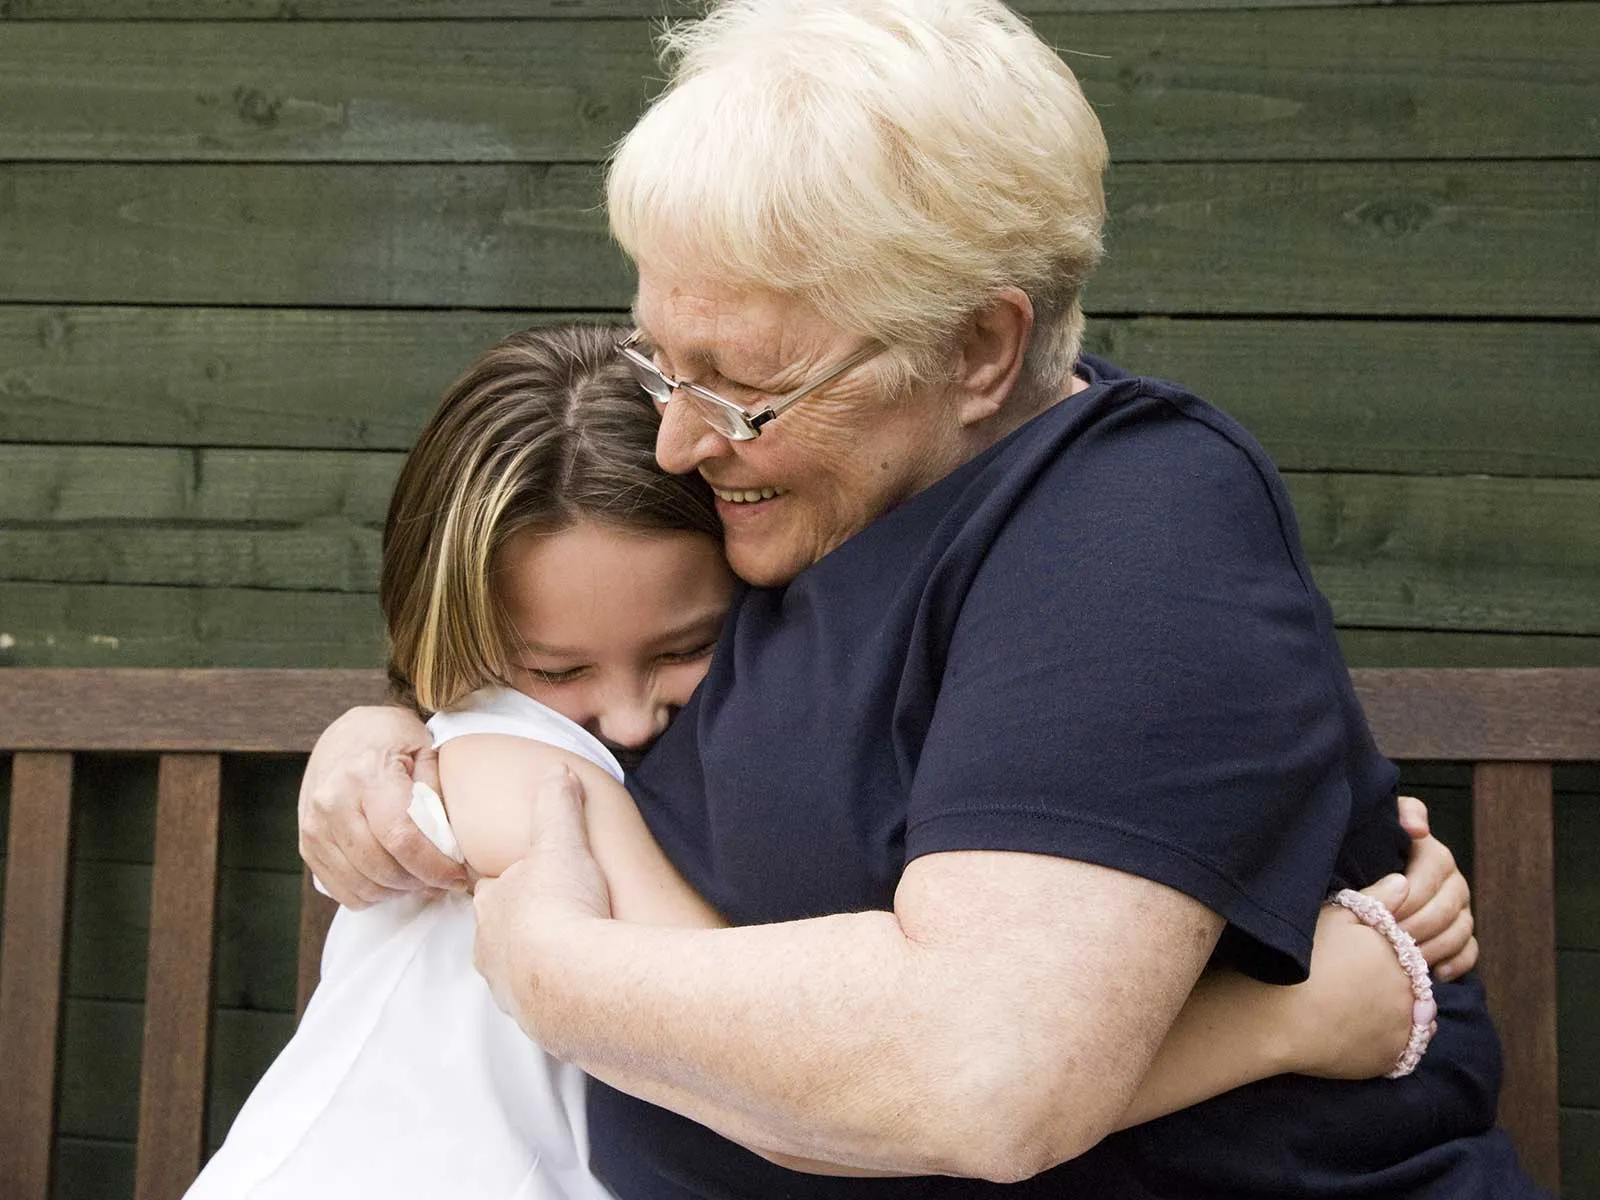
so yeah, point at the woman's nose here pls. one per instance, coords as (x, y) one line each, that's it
(684, 441)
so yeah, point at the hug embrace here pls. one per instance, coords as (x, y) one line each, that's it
(884, 750)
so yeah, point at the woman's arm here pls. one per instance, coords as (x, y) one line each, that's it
(1350, 1020)
(1231, 1031)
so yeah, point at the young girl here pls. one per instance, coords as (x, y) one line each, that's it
(552, 598)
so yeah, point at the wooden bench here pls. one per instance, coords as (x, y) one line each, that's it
(1512, 725)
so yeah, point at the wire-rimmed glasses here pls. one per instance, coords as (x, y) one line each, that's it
(731, 420)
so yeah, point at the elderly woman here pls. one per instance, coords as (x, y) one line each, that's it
(1030, 714)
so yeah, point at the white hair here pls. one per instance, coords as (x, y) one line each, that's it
(892, 162)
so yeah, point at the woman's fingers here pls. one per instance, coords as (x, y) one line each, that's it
(341, 880)
(559, 849)
(395, 852)
(355, 833)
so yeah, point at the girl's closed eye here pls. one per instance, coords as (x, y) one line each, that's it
(692, 655)
(565, 675)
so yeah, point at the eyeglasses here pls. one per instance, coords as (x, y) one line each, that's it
(731, 420)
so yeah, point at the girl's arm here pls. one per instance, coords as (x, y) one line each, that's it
(1350, 1020)
(489, 780)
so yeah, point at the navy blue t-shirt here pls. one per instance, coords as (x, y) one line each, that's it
(1098, 640)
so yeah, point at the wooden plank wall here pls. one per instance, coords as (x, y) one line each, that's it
(243, 243)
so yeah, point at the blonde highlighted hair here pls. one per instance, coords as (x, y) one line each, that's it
(894, 163)
(544, 430)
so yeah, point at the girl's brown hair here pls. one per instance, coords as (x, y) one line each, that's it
(544, 430)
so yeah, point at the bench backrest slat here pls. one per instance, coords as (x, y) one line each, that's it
(1513, 816)
(202, 710)
(178, 982)
(30, 969)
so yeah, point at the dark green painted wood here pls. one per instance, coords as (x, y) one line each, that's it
(86, 626)
(258, 915)
(1432, 648)
(1373, 239)
(114, 798)
(1355, 238)
(1407, 397)
(1404, 82)
(1580, 1154)
(1578, 1029)
(71, 485)
(371, 91)
(410, 235)
(345, 379)
(1577, 882)
(1403, 397)
(1391, 551)
(100, 1066)
(93, 1169)
(399, 10)
(1470, 553)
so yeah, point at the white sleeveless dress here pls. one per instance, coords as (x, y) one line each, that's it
(404, 1080)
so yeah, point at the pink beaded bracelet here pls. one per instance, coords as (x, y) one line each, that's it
(1423, 1008)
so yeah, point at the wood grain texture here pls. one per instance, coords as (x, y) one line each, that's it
(1468, 553)
(549, 91)
(93, 626)
(335, 379)
(177, 1024)
(1399, 397)
(1432, 648)
(408, 235)
(40, 826)
(1397, 551)
(1514, 896)
(73, 625)
(404, 10)
(1401, 82)
(316, 914)
(1440, 715)
(178, 710)
(1474, 715)
(1415, 239)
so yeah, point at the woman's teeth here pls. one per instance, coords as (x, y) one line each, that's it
(747, 495)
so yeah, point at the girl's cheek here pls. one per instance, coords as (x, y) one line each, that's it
(683, 680)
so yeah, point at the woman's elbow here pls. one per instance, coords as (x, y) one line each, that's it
(1007, 1121)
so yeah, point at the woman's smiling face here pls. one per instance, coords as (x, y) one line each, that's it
(822, 471)
(614, 626)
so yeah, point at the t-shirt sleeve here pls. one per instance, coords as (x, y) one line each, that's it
(1137, 678)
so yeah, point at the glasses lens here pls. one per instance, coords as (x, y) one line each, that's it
(721, 418)
(649, 378)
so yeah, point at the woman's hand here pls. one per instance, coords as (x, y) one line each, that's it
(1353, 1015)
(536, 909)
(1436, 909)
(355, 834)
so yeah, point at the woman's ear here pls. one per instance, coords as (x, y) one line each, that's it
(989, 357)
